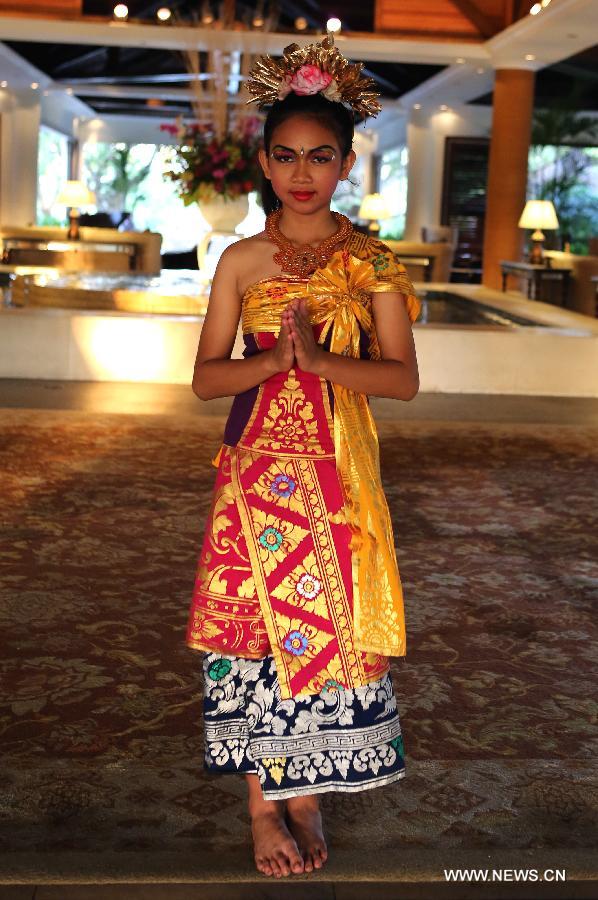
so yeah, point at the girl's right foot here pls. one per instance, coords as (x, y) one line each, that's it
(275, 849)
(276, 852)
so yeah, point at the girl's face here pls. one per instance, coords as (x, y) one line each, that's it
(305, 164)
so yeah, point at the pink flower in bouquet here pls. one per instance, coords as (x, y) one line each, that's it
(219, 173)
(310, 79)
(250, 126)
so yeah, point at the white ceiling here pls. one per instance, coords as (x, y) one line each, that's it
(562, 29)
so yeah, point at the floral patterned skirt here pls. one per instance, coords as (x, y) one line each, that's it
(338, 740)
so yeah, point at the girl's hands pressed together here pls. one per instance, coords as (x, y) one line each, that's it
(307, 351)
(283, 352)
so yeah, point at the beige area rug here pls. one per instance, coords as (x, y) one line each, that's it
(102, 520)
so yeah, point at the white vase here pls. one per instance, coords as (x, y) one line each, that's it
(225, 215)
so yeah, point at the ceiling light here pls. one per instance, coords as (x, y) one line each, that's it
(529, 56)
(460, 60)
(69, 91)
(3, 84)
(34, 85)
(417, 106)
(301, 23)
(536, 8)
(121, 11)
(333, 25)
(163, 14)
(443, 107)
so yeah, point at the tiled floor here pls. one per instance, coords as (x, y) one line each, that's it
(174, 399)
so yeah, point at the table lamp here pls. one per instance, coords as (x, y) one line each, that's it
(74, 194)
(373, 207)
(538, 215)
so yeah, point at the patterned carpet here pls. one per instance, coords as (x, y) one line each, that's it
(102, 518)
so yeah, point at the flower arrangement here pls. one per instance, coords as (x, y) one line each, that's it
(205, 167)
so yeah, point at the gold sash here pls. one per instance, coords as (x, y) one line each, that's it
(340, 295)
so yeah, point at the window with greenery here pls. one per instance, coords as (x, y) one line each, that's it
(53, 156)
(130, 178)
(347, 197)
(392, 181)
(563, 167)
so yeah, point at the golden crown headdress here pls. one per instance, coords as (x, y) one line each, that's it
(317, 68)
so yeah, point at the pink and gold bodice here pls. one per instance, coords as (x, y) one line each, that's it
(299, 414)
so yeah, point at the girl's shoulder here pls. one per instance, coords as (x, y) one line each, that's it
(246, 245)
(391, 275)
(375, 251)
(246, 251)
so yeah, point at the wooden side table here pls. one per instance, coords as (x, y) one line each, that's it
(413, 259)
(535, 277)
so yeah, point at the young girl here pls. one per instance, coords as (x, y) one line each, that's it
(298, 603)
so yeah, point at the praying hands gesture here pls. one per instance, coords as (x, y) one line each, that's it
(296, 339)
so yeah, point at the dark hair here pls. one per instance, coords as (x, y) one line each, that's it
(332, 114)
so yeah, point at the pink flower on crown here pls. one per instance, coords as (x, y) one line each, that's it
(309, 79)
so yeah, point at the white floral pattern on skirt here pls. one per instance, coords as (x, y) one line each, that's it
(338, 740)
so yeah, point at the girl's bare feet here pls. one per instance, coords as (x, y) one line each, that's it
(275, 850)
(305, 824)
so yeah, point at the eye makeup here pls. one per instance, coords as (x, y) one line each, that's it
(325, 152)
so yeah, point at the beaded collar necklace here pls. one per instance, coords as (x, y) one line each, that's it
(304, 260)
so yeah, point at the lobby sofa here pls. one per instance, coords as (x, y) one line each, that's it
(582, 291)
(441, 254)
(145, 244)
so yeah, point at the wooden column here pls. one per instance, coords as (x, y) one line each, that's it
(507, 169)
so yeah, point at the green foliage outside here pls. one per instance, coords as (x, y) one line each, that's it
(52, 173)
(563, 168)
(117, 173)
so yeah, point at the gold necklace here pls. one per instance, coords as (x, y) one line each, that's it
(305, 259)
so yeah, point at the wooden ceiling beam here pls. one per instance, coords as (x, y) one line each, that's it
(56, 9)
(485, 26)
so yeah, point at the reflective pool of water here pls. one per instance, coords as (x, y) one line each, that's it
(452, 309)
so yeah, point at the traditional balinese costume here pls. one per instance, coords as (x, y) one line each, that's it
(298, 601)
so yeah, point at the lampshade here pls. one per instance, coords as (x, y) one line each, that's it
(74, 193)
(373, 206)
(539, 214)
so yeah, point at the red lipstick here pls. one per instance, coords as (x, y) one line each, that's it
(302, 195)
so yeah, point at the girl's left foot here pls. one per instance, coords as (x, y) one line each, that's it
(305, 824)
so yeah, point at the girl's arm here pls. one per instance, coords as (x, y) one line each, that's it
(395, 374)
(215, 373)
